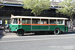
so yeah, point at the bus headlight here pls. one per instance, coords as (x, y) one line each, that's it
(16, 27)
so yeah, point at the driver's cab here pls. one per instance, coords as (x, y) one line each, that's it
(15, 24)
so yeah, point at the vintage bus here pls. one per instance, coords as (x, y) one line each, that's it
(22, 24)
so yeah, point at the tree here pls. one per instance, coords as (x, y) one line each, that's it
(36, 5)
(68, 8)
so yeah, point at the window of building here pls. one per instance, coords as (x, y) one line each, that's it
(26, 21)
(52, 21)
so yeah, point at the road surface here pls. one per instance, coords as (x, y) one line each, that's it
(64, 41)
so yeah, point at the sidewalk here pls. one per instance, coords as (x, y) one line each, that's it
(71, 30)
(1, 32)
(7, 34)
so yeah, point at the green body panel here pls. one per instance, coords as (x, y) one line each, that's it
(61, 27)
(66, 28)
(26, 27)
(52, 27)
(35, 27)
(13, 27)
(38, 27)
(44, 27)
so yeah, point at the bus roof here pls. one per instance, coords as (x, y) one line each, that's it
(39, 17)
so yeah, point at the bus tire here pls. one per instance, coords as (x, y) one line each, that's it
(57, 31)
(20, 32)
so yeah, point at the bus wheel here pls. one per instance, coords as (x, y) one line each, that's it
(57, 31)
(20, 32)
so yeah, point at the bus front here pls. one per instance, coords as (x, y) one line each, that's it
(15, 24)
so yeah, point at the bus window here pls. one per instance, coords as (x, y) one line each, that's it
(43, 21)
(52, 21)
(59, 21)
(35, 21)
(26, 21)
(15, 21)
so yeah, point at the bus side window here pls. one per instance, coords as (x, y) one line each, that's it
(43, 21)
(59, 21)
(35, 21)
(23, 21)
(52, 21)
(26, 21)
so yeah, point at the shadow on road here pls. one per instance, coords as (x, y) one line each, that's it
(46, 33)
(31, 34)
(35, 34)
(68, 33)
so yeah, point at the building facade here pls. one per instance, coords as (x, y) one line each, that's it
(15, 7)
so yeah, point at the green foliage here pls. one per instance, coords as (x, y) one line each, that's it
(1, 5)
(68, 8)
(36, 5)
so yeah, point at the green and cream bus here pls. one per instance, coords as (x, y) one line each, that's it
(22, 24)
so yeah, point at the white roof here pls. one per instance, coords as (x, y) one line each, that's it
(33, 17)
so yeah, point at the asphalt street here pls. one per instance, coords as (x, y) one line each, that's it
(65, 41)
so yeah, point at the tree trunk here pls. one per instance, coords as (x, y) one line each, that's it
(35, 15)
(71, 22)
